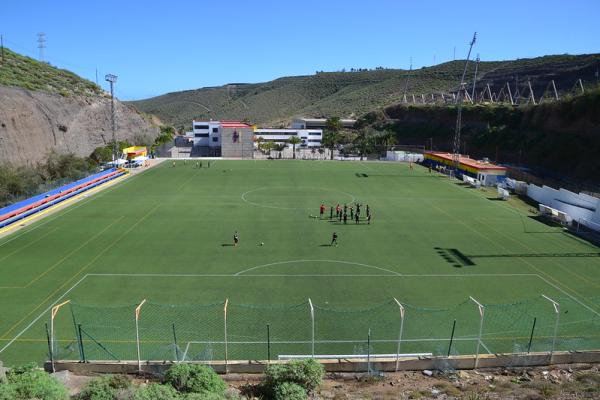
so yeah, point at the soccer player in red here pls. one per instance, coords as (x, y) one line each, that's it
(321, 210)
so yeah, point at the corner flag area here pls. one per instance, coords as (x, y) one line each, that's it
(147, 269)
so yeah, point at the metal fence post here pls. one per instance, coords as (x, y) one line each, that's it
(137, 334)
(556, 306)
(225, 333)
(312, 318)
(400, 333)
(52, 338)
(481, 315)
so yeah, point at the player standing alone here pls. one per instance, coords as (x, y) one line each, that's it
(321, 210)
(236, 238)
(334, 239)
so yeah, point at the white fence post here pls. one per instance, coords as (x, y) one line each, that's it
(556, 306)
(400, 334)
(137, 334)
(481, 315)
(225, 329)
(312, 318)
(52, 339)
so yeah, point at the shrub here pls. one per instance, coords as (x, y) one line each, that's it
(105, 388)
(306, 373)
(289, 391)
(195, 378)
(156, 391)
(28, 382)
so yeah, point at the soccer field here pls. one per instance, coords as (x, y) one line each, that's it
(165, 236)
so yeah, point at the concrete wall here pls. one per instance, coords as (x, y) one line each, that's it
(348, 365)
(243, 147)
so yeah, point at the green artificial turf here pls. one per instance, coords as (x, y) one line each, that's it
(165, 235)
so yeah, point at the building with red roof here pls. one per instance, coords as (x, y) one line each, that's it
(486, 172)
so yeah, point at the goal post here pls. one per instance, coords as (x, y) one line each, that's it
(138, 309)
(53, 313)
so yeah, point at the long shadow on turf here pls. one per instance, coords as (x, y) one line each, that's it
(227, 245)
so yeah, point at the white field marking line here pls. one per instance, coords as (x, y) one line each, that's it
(243, 196)
(484, 346)
(309, 275)
(366, 166)
(569, 295)
(68, 209)
(326, 261)
(42, 314)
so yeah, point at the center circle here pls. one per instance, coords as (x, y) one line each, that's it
(296, 197)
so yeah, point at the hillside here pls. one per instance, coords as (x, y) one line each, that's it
(30, 74)
(557, 141)
(349, 94)
(43, 108)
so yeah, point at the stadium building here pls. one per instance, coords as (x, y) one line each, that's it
(230, 139)
(485, 172)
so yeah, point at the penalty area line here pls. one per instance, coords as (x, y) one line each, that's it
(18, 335)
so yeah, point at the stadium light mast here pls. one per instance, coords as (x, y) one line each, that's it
(459, 101)
(112, 79)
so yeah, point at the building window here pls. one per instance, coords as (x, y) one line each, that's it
(215, 139)
(200, 126)
(314, 133)
(201, 135)
(215, 130)
(314, 140)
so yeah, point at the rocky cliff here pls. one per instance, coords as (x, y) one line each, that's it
(33, 123)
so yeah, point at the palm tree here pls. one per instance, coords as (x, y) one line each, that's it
(363, 143)
(294, 140)
(332, 136)
(389, 140)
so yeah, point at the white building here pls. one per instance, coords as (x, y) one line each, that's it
(318, 123)
(205, 133)
(309, 137)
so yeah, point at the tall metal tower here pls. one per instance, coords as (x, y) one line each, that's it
(112, 79)
(475, 80)
(41, 44)
(406, 83)
(459, 101)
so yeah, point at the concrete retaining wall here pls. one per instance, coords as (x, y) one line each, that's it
(346, 365)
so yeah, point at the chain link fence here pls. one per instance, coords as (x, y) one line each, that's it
(232, 331)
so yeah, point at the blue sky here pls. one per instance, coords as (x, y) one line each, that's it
(157, 47)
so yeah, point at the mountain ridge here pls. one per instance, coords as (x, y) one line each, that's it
(351, 94)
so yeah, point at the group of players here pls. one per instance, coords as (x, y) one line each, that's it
(345, 212)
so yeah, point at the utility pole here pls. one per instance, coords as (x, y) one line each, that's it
(459, 101)
(41, 44)
(2, 47)
(97, 77)
(454, 54)
(112, 79)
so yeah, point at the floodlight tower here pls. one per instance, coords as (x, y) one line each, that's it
(112, 79)
(459, 101)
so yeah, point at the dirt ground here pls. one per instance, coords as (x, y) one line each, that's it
(557, 382)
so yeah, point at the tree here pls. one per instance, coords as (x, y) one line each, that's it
(332, 136)
(294, 140)
(363, 143)
(388, 139)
